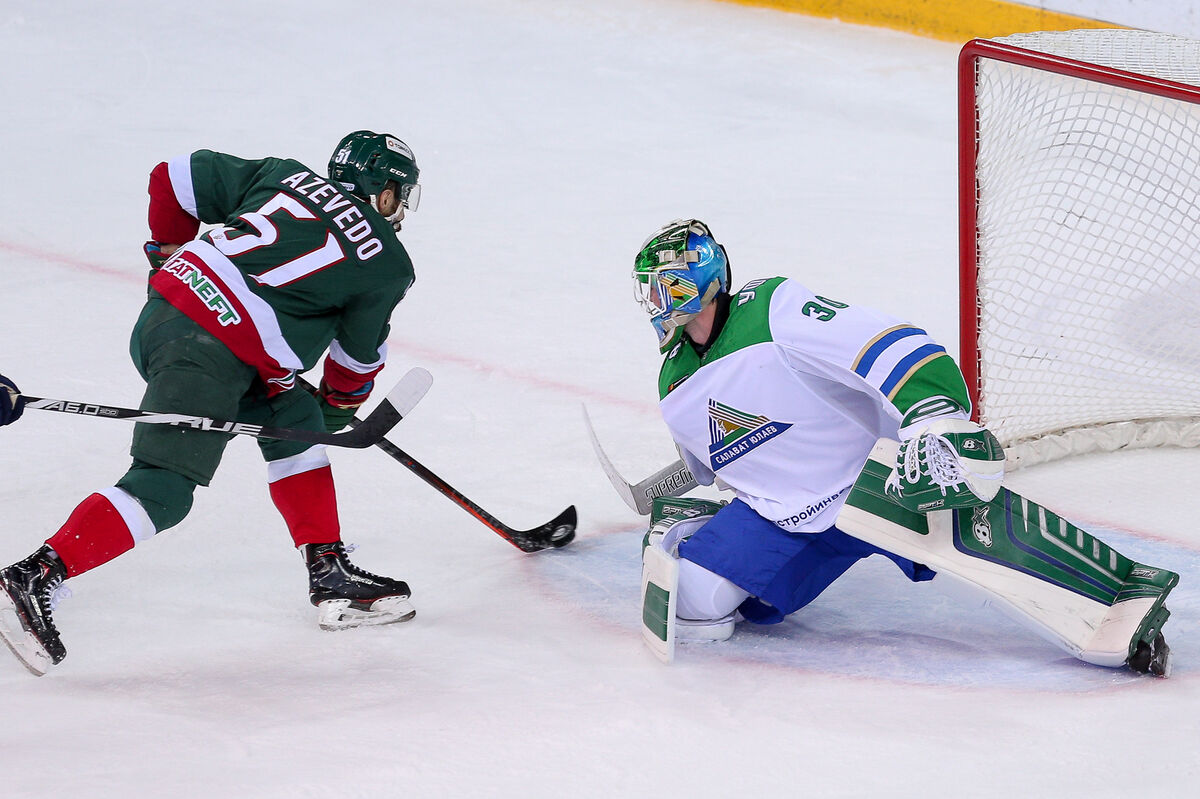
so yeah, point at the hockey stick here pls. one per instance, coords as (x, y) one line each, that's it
(558, 532)
(670, 481)
(398, 403)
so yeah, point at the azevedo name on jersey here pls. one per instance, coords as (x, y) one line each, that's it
(350, 221)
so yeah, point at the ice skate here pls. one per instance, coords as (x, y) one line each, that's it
(26, 601)
(347, 596)
(706, 630)
(1152, 657)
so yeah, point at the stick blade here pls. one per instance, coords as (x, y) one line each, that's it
(674, 480)
(410, 390)
(395, 406)
(619, 483)
(554, 534)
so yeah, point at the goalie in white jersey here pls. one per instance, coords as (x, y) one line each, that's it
(781, 395)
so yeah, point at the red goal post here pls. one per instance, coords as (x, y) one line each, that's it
(1079, 193)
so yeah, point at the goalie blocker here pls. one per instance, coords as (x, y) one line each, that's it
(1049, 574)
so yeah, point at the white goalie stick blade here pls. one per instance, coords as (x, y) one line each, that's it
(660, 584)
(20, 641)
(672, 481)
(340, 614)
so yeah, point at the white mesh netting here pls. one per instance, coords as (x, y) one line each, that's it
(1089, 246)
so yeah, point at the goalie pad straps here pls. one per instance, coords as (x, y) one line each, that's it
(302, 489)
(103, 526)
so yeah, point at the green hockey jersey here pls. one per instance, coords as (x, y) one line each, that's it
(294, 267)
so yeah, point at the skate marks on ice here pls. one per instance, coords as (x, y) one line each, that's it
(874, 624)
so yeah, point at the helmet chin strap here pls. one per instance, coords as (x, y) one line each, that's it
(395, 218)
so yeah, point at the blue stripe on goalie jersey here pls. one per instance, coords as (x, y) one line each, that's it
(876, 346)
(908, 366)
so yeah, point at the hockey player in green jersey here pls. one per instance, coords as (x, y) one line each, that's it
(297, 265)
(780, 395)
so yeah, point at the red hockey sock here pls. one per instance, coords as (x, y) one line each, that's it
(102, 527)
(308, 504)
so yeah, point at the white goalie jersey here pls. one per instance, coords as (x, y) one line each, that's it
(786, 404)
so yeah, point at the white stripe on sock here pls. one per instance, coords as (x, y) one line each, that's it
(132, 513)
(313, 458)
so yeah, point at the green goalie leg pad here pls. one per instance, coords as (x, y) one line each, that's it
(1048, 573)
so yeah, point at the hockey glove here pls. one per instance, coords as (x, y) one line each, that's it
(338, 407)
(952, 463)
(12, 404)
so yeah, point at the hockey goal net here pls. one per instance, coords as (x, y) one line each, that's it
(1080, 240)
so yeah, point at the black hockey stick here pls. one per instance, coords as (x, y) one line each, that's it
(558, 532)
(398, 403)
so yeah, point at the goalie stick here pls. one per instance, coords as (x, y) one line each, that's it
(670, 481)
(399, 403)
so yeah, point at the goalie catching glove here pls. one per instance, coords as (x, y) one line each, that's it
(952, 463)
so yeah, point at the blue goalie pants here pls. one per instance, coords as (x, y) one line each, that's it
(782, 571)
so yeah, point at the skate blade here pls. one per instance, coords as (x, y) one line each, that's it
(337, 614)
(703, 632)
(20, 641)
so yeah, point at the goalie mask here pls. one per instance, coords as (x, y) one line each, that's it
(364, 162)
(679, 270)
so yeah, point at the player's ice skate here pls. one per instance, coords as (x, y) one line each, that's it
(346, 596)
(27, 591)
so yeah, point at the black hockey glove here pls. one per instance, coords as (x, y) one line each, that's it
(12, 404)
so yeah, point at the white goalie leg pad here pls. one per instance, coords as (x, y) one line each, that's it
(341, 614)
(682, 601)
(660, 591)
(1095, 631)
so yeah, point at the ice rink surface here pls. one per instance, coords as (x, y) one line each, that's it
(552, 138)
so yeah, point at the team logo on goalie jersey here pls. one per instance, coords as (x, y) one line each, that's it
(735, 433)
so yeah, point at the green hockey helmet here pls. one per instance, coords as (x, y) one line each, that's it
(365, 161)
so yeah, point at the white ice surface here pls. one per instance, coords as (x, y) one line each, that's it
(553, 136)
